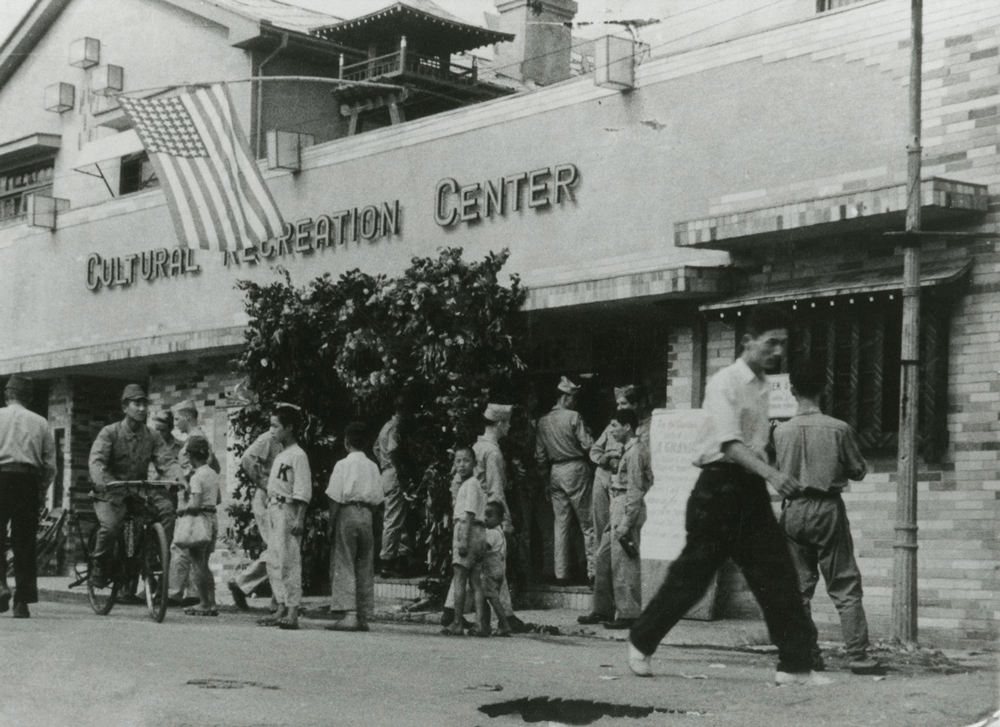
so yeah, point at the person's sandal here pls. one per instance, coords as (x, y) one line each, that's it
(287, 624)
(268, 621)
(200, 612)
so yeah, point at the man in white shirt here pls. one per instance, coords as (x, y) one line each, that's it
(729, 512)
(354, 491)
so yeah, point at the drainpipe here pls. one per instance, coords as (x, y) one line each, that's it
(259, 101)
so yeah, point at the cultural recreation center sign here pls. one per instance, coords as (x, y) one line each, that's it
(454, 203)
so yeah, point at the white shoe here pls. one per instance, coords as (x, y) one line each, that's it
(809, 679)
(639, 663)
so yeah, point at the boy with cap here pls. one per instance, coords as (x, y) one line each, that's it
(27, 468)
(124, 451)
(563, 448)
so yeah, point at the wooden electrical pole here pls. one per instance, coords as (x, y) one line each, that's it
(904, 594)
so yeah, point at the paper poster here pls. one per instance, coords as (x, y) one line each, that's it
(672, 439)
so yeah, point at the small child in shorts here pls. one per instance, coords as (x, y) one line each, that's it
(469, 539)
(494, 567)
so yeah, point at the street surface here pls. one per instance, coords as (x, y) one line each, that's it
(67, 666)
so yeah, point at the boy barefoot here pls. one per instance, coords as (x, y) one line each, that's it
(469, 537)
(494, 567)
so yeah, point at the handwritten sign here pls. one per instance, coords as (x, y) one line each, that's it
(782, 404)
(673, 440)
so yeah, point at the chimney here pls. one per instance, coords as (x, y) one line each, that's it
(540, 51)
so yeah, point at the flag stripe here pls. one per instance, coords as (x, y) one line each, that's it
(214, 189)
(187, 233)
(226, 223)
(194, 199)
(236, 164)
(253, 183)
(271, 216)
(213, 130)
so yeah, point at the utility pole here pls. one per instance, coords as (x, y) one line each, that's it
(904, 592)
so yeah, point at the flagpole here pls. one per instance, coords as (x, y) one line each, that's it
(254, 79)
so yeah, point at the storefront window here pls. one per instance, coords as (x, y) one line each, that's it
(137, 174)
(19, 184)
(859, 340)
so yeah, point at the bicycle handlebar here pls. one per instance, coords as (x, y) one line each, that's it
(154, 483)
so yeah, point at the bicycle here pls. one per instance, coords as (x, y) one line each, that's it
(141, 547)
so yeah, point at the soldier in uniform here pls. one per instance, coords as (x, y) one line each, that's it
(562, 448)
(124, 451)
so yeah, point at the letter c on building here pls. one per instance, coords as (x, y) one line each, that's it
(93, 277)
(445, 213)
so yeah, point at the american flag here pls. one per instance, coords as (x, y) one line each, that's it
(215, 193)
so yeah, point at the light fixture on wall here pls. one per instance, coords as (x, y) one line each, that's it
(614, 63)
(60, 97)
(85, 52)
(42, 210)
(107, 80)
(284, 149)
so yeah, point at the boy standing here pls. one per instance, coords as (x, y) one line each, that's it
(289, 489)
(494, 568)
(355, 493)
(468, 539)
(822, 453)
(628, 515)
(729, 512)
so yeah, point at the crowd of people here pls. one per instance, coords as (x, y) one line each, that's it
(596, 490)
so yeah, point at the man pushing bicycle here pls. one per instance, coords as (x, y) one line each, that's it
(124, 451)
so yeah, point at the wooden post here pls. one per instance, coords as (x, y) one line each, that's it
(340, 73)
(402, 54)
(904, 594)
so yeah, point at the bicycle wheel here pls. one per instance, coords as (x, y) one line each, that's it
(154, 568)
(103, 599)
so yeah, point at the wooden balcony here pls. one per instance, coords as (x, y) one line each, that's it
(412, 65)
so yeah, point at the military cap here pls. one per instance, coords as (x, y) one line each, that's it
(567, 387)
(497, 412)
(19, 384)
(186, 405)
(133, 391)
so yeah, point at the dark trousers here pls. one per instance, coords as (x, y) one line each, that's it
(19, 498)
(729, 516)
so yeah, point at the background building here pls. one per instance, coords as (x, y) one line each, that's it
(765, 165)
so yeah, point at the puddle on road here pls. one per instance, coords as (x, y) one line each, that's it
(227, 684)
(573, 711)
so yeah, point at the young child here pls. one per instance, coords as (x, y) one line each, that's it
(469, 537)
(201, 498)
(494, 567)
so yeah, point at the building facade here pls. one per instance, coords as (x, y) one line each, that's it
(765, 166)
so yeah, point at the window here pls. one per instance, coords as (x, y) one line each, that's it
(860, 344)
(137, 174)
(19, 184)
(823, 5)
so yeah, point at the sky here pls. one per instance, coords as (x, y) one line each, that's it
(589, 10)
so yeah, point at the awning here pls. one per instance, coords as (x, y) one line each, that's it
(871, 210)
(111, 147)
(683, 282)
(932, 274)
(28, 149)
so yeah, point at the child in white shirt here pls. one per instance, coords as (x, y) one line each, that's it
(469, 539)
